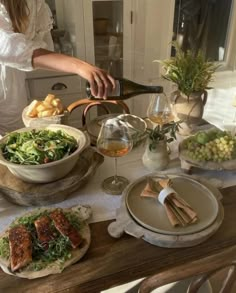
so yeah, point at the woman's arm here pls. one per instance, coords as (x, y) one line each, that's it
(99, 80)
(19, 52)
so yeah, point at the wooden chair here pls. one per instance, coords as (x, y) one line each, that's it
(175, 287)
(88, 104)
(193, 277)
(203, 270)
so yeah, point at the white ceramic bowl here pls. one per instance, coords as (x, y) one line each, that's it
(49, 172)
(44, 121)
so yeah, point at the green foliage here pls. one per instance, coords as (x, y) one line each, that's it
(166, 132)
(189, 71)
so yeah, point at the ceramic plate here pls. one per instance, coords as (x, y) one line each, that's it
(149, 213)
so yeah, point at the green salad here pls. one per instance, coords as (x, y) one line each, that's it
(38, 146)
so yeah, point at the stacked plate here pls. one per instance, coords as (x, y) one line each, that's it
(147, 218)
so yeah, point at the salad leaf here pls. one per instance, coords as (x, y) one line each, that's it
(38, 146)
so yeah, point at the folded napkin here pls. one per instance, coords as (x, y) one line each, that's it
(179, 212)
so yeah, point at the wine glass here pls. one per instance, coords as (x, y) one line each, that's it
(159, 110)
(115, 141)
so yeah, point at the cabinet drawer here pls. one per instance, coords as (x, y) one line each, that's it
(61, 85)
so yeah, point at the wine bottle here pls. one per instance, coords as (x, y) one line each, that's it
(126, 89)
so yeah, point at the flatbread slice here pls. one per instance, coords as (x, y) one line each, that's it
(55, 267)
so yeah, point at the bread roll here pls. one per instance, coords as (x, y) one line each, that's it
(47, 105)
(57, 104)
(49, 98)
(55, 112)
(32, 112)
(45, 113)
(41, 107)
(50, 106)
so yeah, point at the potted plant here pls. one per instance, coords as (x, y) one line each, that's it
(191, 73)
(156, 155)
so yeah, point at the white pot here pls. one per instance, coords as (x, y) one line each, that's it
(157, 158)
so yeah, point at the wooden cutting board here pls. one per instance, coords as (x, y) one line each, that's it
(82, 213)
(39, 194)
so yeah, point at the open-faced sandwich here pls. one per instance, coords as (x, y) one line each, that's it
(44, 241)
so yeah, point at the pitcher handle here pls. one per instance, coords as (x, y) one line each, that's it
(173, 97)
(204, 98)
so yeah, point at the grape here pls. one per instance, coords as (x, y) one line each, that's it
(220, 146)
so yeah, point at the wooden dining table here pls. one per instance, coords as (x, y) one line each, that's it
(110, 262)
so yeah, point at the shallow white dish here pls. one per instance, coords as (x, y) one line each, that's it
(49, 172)
(149, 213)
(138, 127)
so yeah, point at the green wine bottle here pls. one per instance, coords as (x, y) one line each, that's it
(126, 89)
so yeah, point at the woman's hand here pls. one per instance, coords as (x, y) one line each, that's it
(100, 81)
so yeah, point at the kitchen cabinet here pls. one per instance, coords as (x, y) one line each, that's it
(123, 37)
(98, 31)
(127, 38)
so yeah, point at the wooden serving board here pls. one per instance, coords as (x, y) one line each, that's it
(83, 213)
(35, 194)
(126, 224)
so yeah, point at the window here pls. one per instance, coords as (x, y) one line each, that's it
(205, 25)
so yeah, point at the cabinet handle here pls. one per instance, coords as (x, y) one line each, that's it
(59, 86)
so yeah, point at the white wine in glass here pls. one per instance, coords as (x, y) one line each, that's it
(115, 141)
(159, 110)
(113, 148)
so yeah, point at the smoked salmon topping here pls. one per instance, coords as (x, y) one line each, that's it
(65, 228)
(44, 230)
(20, 247)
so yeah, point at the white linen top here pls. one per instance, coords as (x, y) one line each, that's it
(16, 51)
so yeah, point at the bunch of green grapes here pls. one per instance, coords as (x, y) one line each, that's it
(216, 146)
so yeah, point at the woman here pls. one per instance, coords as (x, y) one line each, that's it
(26, 44)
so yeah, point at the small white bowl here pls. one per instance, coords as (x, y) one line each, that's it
(44, 121)
(48, 172)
